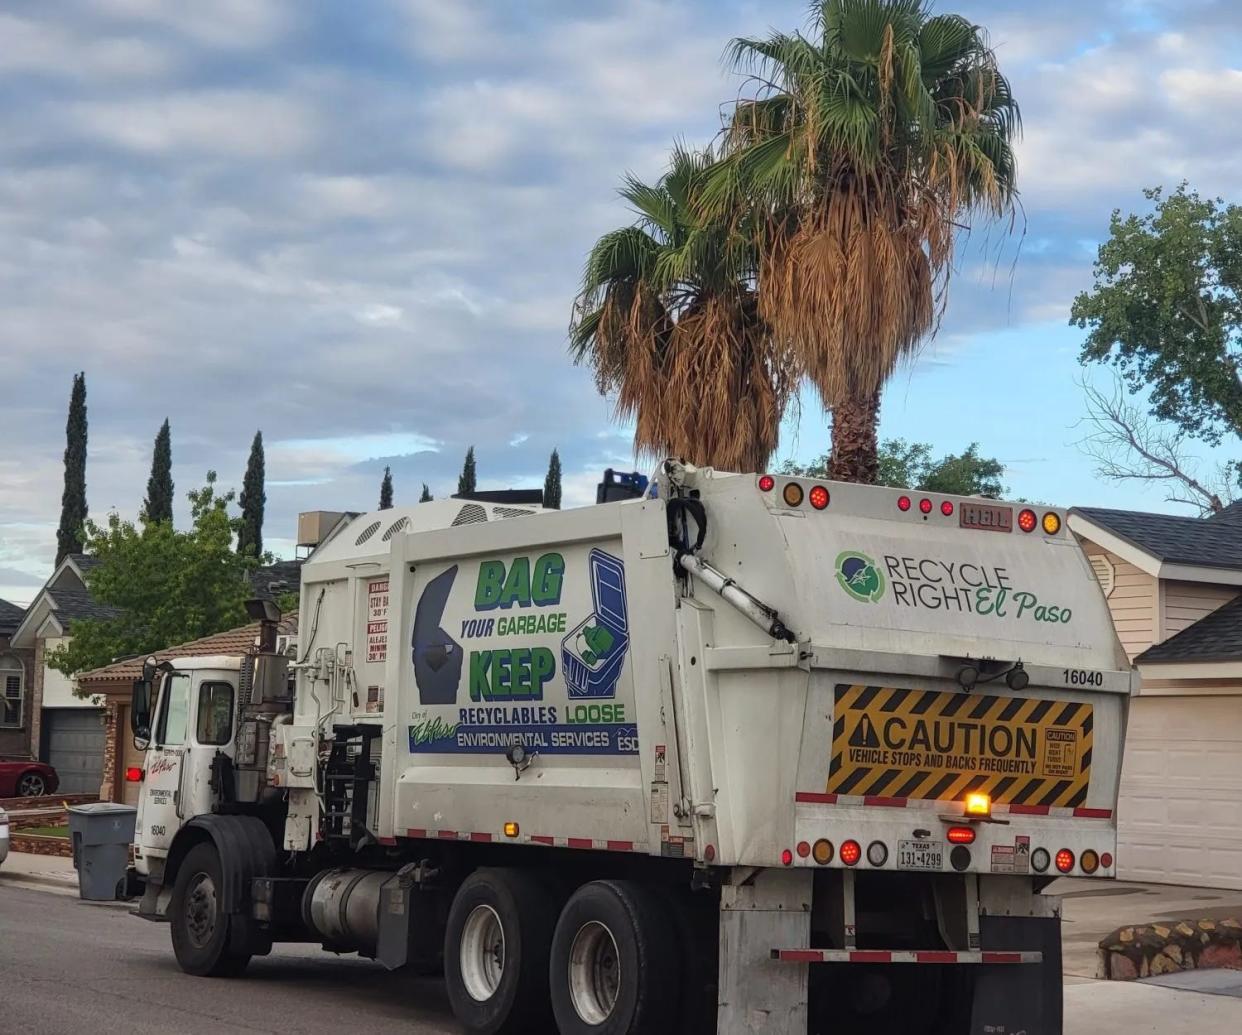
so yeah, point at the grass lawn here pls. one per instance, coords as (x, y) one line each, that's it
(60, 831)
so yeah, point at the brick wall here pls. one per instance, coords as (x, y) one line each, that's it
(36, 701)
(108, 789)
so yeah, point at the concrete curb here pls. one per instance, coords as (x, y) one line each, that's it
(1147, 950)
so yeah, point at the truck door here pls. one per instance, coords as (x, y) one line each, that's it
(161, 795)
(211, 732)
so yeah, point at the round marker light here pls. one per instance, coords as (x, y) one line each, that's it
(804, 849)
(946, 508)
(925, 506)
(903, 502)
(959, 858)
(1089, 861)
(786, 858)
(766, 483)
(1027, 520)
(133, 774)
(709, 853)
(1040, 860)
(1052, 523)
(961, 835)
(1065, 860)
(877, 853)
(851, 852)
(1106, 860)
(818, 497)
(792, 494)
(822, 851)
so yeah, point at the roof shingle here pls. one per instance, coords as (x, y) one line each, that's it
(10, 616)
(1215, 637)
(72, 604)
(1210, 543)
(231, 641)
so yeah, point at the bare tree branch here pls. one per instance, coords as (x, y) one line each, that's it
(1127, 445)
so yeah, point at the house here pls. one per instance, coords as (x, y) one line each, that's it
(113, 684)
(65, 730)
(16, 684)
(1174, 587)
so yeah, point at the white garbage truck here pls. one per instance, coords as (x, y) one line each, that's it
(743, 754)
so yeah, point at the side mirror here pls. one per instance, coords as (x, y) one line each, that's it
(140, 709)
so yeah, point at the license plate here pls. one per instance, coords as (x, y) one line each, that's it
(919, 855)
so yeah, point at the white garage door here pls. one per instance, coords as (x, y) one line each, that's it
(1180, 815)
(75, 747)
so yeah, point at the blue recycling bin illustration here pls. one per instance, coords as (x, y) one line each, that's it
(593, 652)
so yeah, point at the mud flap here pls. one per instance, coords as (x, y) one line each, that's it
(1019, 999)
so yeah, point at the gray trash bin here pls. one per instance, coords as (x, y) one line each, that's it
(101, 834)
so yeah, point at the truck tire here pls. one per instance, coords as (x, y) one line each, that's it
(615, 966)
(201, 929)
(496, 947)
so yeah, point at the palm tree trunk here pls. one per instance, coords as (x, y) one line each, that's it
(854, 446)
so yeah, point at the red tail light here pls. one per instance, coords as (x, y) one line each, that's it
(133, 774)
(961, 835)
(818, 497)
(903, 502)
(786, 858)
(1106, 860)
(1065, 860)
(925, 506)
(851, 852)
(804, 849)
(767, 483)
(946, 508)
(1027, 520)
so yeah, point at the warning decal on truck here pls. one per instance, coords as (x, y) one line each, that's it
(937, 746)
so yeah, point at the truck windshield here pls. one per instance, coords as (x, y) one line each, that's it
(174, 710)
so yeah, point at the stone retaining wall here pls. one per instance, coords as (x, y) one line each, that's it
(36, 844)
(1150, 949)
(47, 801)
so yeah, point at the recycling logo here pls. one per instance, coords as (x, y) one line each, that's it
(860, 576)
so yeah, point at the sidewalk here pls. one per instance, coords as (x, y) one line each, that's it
(44, 872)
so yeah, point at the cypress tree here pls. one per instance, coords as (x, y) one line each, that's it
(467, 482)
(426, 496)
(159, 502)
(386, 491)
(73, 500)
(552, 483)
(252, 500)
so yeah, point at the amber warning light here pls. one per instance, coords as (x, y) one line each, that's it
(978, 805)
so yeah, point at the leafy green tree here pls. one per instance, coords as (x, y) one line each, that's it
(910, 465)
(158, 505)
(73, 499)
(385, 502)
(552, 483)
(425, 497)
(168, 586)
(667, 311)
(866, 145)
(253, 502)
(467, 482)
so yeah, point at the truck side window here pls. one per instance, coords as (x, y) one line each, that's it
(215, 713)
(174, 710)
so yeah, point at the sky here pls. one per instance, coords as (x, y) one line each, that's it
(360, 228)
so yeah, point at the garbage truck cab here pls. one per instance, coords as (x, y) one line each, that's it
(745, 753)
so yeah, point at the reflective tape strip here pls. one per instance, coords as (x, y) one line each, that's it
(903, 956)
(484, 837)
(875, 801)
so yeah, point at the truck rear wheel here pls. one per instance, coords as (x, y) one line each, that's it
(496, 947)
(615, 968)
(200, 927)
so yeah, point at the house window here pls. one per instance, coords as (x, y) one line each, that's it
(12, 687)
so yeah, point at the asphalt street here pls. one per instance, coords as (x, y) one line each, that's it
(70, 966)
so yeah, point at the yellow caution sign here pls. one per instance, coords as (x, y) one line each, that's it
(938, 746)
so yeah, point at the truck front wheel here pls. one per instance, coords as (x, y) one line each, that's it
(496, 946)
(615, 968)
(200, 926)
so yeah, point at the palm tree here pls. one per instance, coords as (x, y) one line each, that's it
(867, 144)
(668, 319)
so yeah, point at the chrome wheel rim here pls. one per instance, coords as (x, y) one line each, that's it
(30, 786)
(482, 953)
(200, 909)
(594, 973)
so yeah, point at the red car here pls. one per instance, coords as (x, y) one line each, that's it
(26, 779)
